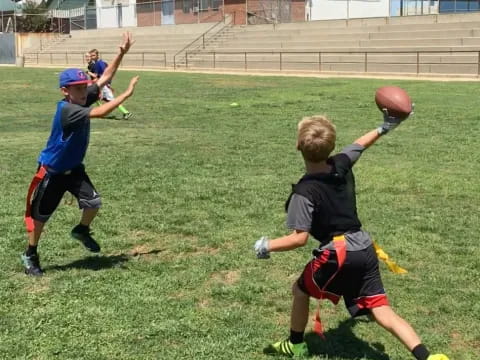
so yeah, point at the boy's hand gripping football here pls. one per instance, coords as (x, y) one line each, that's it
(261, 248)
(391, 122)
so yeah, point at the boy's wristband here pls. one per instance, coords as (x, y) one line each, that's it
(381, 130)
(261, 248)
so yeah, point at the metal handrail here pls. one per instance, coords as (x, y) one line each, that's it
(81, 54)
(366, 62)
(202, 36)
(204, 43)
(367, 57)
(344, 51)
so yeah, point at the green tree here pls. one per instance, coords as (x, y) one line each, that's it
(34, 18)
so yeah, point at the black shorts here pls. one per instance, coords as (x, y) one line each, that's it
(50, 190)
(358, 281)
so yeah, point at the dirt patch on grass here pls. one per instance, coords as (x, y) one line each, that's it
(159, 237)
(38, 286)
(459, 343)
(146, 250)
(150, 244)
(204, 250)
(226, 277)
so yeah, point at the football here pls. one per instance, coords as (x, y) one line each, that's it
(395, 100)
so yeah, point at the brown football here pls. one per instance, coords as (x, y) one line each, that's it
(395, 100)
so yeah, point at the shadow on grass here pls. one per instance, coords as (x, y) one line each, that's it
(101, 262)
(342, 343)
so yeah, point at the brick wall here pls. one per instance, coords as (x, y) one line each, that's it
(297, 11)
(237, 9)
(148, 13)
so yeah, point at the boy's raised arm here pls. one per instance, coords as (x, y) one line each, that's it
(113, 66)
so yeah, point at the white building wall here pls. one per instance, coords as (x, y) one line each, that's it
(107, 13)
(129, 15)
(347, 9)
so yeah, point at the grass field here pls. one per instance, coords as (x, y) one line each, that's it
(190, 183)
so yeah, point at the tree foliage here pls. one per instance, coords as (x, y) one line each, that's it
(33, 18)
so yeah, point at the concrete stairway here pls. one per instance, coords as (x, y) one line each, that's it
(438, 44)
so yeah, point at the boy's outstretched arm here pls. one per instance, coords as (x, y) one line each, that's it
(389, 123)
(296, 239)
(113, 66)
(368, 139)
(107, 108)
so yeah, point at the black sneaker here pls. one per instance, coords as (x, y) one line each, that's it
(32, 265)
(83, 234)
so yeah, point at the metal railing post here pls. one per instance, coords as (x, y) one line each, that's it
(319, 61)
(203, 41)
(280, 61)
(478, 68)
(245, 61)
(366, 60)
(165, 59)
(418, 62)
(37, 58)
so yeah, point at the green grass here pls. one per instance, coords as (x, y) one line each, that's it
(190, 183)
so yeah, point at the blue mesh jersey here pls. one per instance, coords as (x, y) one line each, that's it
(100, 67)
(68, 141)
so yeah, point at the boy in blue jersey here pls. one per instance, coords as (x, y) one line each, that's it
(345, 264)
(61, 166)
(107, 91)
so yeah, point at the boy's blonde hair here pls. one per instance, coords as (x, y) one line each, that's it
(316, 138)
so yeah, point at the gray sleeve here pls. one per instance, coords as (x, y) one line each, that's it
(73, 117)
(93, 93)
(353, 152)
(299, 214)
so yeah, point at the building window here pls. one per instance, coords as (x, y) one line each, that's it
(187, 6)
(447, 6)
